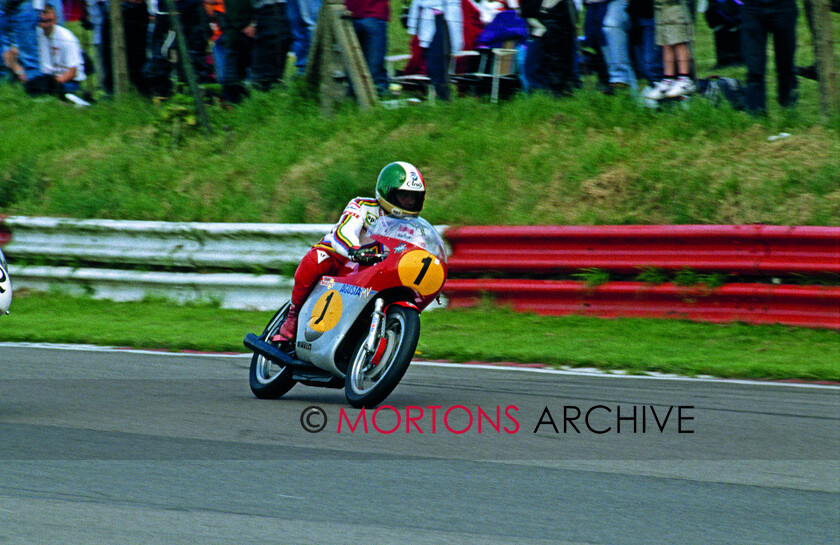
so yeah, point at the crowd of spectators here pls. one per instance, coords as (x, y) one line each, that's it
(243, 45)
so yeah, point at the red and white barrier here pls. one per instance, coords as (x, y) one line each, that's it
(751, 250)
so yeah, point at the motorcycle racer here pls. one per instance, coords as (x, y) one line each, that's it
(400, 191)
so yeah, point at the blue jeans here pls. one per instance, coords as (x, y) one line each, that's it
(593, 30)
(521, 65)
(617, 26)
(300, 34)
(70, 87)
(648, 55)
(533, 61)
(309, 15)
(373, 37)
(18, 27)
(219, 52)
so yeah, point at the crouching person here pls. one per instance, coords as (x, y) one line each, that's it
(60, 58)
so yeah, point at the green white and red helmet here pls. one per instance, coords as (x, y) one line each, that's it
(400, 189)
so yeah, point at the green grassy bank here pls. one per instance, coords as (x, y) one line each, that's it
(586, 159)
(589, 159)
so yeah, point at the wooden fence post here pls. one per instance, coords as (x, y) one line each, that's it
(825, 59)
(119, 65)
(336, 59)
(186, 64)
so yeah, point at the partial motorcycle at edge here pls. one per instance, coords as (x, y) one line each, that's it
(5, 286)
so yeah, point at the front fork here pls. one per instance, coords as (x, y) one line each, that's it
(377, 323)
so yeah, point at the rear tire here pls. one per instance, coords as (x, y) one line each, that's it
(366, 385)
(267, 379)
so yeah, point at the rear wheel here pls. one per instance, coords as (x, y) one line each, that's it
(267, 379)
(371, 377)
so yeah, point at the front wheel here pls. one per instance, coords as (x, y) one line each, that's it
(369, 382)
(269, 380)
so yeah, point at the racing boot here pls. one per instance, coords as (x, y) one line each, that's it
(288, 329)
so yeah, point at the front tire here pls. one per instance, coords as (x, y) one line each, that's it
(367, 385)
(267, 379)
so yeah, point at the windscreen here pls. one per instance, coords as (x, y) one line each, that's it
(415, 230)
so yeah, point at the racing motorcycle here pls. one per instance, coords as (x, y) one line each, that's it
(5, 286)
(359, 329)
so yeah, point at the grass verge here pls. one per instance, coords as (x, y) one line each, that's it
(482, 334)
(583, 160)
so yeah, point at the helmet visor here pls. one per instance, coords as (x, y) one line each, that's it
(411, 201)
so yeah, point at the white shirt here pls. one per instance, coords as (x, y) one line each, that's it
(59, 52)
(421, 21)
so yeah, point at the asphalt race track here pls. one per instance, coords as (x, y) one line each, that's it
(106, 447)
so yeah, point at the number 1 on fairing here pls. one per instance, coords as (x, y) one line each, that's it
(324, 312)
(426, 262)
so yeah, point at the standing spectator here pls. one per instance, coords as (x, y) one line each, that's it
(617, 27)
(593, 32)
(59, 53)
(631, 44)
(370, 21)
(216, 16)
(674, 32)
(724, 18)
(550, 60)
(300, 34)
(237, 45)
(308, 12)
(272, 39)
(99, 20)
(18, 20)
(647, 55)
(157, 71)
(135, 17)
(439, 27)
(763, 17)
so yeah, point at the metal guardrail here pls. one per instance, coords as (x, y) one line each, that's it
(750, 250)
(216, 246)
(804, 306)
(249, 265)
(242, 265)
(740, 249)
(229, 290)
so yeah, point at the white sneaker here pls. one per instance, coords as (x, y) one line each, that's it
(658, 91)
(683, 86)
(81, 103)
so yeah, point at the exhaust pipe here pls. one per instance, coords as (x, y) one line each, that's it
(254, 343)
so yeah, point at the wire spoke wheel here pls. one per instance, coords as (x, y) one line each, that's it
(367, 382)
(266, 370)
(269, 380)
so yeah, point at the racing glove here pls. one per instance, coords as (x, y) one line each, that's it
(363, 255)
